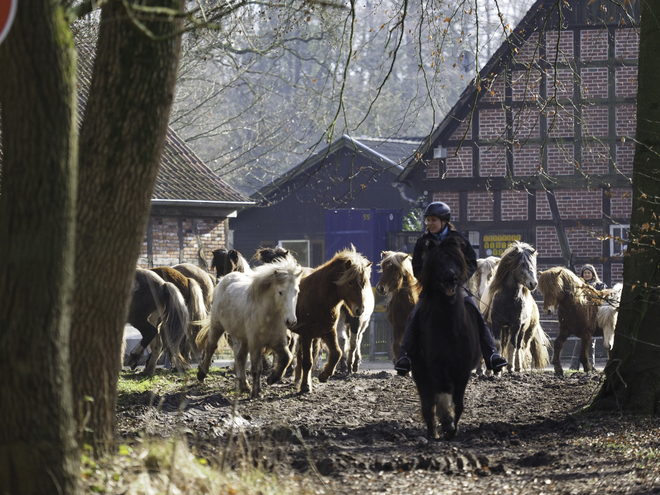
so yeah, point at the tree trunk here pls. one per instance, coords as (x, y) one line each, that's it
(632, 375)
(38, 452)
(121, 143)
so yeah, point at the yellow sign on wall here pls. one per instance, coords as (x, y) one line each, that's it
(496, 244)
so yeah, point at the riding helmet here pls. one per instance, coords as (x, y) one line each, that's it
(438, 209)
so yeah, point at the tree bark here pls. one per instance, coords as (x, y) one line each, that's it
(121, 143)
(38, 452)
(632, 375)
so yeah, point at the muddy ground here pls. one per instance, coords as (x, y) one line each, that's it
(362, 433)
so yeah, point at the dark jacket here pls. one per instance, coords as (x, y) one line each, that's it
(427, 241)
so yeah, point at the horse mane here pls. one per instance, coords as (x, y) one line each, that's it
(557, 280)
(358, 267)
(277, 272)
(269, 254)
(516, 253)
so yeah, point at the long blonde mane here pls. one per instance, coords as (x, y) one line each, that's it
(557, 281)
(358, 268)
(515, 254)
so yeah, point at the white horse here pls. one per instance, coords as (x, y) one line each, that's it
(608, 314)
(255, 308)
(481, 279)
(355, 327)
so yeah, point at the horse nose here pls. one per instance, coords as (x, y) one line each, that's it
(380, 289)
(291, 322)
(532, 285)
(358, 311)
(548, 311)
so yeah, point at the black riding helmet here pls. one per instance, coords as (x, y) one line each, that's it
(438, 209)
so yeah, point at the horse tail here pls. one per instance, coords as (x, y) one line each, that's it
(175, 320)
(203, 334)
(197, 310)
(540, 343)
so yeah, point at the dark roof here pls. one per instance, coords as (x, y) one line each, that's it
(461, 109)
(183, 176)
(389, 153)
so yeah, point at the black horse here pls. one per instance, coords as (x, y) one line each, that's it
(226, 262)
(448, 346)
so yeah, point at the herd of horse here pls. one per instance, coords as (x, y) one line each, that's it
(282, 308)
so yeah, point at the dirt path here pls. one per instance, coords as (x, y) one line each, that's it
(520, 433)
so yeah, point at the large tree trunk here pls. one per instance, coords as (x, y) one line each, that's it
(632, 380)
(121, 143)
(38, 452)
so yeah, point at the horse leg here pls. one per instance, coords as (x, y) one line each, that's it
(240, 361)
(334, 355)
(148, 332)
(556, 356)
(397, 337)
(305, 364)
(585, 347)
(284, 358)
(446, 411)
(216, 331)
(356, 353)
(256, 359)
(156, 351)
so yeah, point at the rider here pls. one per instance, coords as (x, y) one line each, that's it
(436, 216)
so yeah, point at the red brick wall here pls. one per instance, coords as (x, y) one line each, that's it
(560, 159)
(433, 169)
(626, 44)
(529, 52)
(525, 85)
(625, 153)
(584, 242)
(459, 162)
(526, 160)
(626, 120)
(492, 123)
(514, 205)
(526, 123)
(547, 242)
(579, 203)
(593, 44)
(594, 82)
(560, 122)
(559, 46)
(560, 84)
(451, 198)
(626, 81)
(595, 158)
(492, 161)
(480, 206)
(617, 273)
(594, 119)
(494, 91)
(621, 202)
(542, 206)
(464, 131)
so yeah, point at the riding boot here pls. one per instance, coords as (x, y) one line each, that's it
(493, 360)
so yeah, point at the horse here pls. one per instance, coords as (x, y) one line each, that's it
(340, 280)
(577, 306)
(268, 255)
(448, 347)
(255, 308)
(511, 312)
(226, 262)
(154, 300)
(194, 297)
(199, 275)
(402, 289)
(482, 278)
(608, 314)
(350, 331)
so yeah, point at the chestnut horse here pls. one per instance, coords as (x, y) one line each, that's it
(511, 312)
(402, 289)
(577, 306)
(322, 292)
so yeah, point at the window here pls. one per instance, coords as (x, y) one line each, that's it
(299, 249)
(618, 239)
(473, 235)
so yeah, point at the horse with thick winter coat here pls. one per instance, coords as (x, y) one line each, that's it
(255, 308)
(448, 348)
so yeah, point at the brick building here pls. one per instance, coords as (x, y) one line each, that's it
(540, 145)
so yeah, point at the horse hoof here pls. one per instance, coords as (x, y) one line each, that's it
(200, 375)
(449, 429)
(132, 362)
(305, 389)
(272, 379)
(323, 377)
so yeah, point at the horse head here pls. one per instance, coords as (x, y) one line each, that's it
(554, 284)
(282, 277)
(394, 266)
(445, 269)
(526, 264)
(268, 255)
(354, 273)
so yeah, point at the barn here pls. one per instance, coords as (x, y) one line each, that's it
(540, 145)
(349, 185)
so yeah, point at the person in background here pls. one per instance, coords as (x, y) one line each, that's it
(590, 276)
(436, 216)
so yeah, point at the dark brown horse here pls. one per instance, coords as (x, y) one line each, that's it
(322, 292)
(226, 262)
(402, 290)
(577, 307)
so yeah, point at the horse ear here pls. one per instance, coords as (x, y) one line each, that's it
(370, 263)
